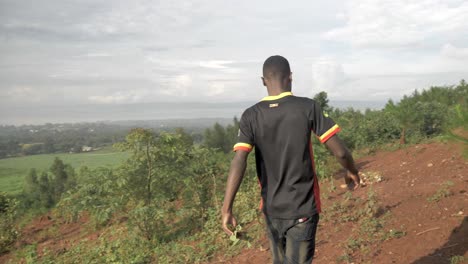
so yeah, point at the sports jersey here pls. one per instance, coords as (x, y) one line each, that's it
(279, 128)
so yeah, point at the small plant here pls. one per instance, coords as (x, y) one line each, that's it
(348, 196)
(371, 206)
(234, 237)
(344, 258)
(457, 259)
(331, 185)
(393, 233)
(353, 244)
(442, 192)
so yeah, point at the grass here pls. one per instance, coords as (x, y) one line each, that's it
(458, 259)
(370, 225)
(13, 170)
(442, 192)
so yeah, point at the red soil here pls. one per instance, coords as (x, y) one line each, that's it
(435, 231)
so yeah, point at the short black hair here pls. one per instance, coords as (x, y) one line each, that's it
(276, 67)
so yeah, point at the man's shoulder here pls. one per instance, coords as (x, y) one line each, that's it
(249, 111)
(303, 102)
(302, 99)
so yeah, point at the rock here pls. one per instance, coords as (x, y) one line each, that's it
(430, 164)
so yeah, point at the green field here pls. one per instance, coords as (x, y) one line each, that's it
(13, 170)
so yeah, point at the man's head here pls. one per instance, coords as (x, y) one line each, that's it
(277, 73)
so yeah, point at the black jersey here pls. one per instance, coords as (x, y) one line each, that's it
(279, 128)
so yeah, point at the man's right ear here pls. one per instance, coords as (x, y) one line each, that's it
(263, 80)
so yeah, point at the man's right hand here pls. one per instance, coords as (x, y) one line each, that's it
(228, 219)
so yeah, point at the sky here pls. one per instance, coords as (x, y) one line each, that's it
(72, 53)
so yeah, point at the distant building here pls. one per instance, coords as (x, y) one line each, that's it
(86, 148)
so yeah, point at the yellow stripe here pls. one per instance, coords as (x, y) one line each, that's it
(276, 97)
(243, 145)
(331, 130)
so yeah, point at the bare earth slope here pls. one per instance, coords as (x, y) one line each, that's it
(422, 199)
(422, 216)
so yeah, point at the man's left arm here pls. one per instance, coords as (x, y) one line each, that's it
(236, 174)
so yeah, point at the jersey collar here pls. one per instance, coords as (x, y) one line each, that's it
(276, 97)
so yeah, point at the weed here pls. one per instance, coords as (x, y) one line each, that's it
(442, 192)
(344, 258)
(331, 186)
(393, 233)
(457, 259)
(347, 196)
(370, 227)
(354, 244)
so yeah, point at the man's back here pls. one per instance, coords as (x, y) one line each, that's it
(280, 129)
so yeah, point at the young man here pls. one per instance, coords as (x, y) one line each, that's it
(280, 127)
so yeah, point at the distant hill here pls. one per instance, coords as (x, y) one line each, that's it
(17, 115)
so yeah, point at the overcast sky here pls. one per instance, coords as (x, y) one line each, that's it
(111, 52)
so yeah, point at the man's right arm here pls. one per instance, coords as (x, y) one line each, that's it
(344, 157)
(236, 174)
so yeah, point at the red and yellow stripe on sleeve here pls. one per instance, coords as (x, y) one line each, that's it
(330, 132)
(242, 146)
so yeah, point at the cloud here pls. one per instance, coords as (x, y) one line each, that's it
(327, 74)
(178, 85)
(450, 51)
(216, 88)
(97, 54)
(399, 23)
(215, 64)
(118, 97)
(22, 93)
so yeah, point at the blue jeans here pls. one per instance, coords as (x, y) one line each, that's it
(292, 241)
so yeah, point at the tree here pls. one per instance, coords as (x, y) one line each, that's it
(31, 189)
(153, 176)
(322, 99)
(222, 138)
(45, 191)
(404, 113)
(60, 178)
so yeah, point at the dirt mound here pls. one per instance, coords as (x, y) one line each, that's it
(422, 202)
(53, 235)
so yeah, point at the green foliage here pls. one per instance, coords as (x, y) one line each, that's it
(151, 221)
(14, 170)
(322, 99)
(367, 214)
(162, 204)
(99, 193)
(8, 233)
(221, 138)
(46, 191)
(457, 259)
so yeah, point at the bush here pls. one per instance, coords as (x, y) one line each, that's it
(8, 233)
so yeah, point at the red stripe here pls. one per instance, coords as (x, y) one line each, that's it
(242, 148)
(338, 129)
(260, 207)
(316, 184)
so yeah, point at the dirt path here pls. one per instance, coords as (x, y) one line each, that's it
(422, 198)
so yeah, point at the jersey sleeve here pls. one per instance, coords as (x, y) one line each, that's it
(323, 126)
(245, 139)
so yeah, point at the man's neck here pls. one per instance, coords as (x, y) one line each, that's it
(274, 91)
